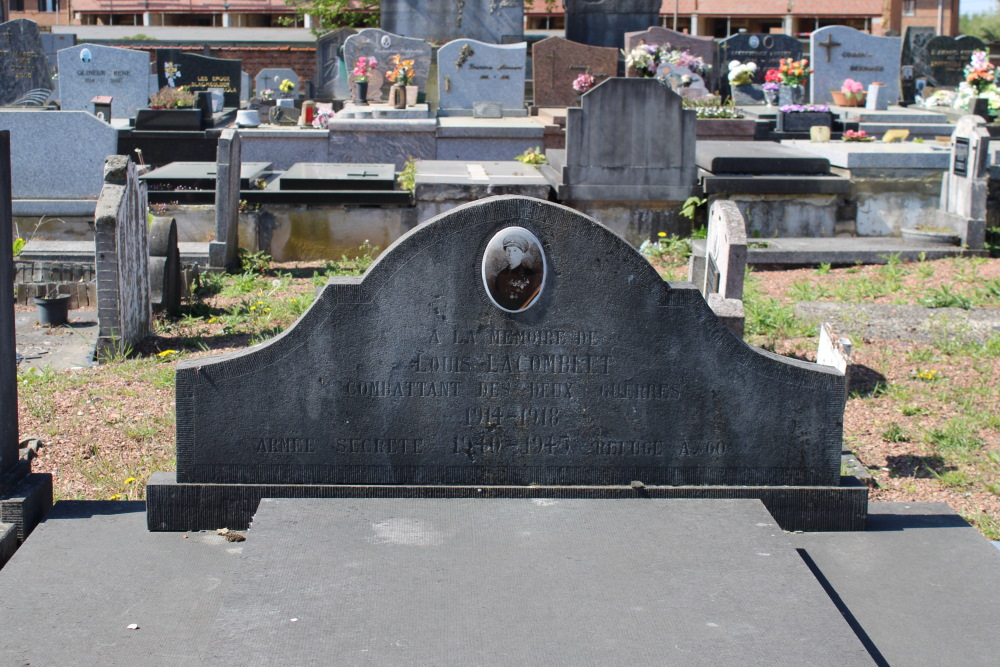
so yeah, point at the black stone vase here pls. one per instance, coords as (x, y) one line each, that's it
(397, 96)
(361, 93)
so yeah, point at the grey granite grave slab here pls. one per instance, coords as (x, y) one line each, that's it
(605, 22)
(88, 70)
(24, 68)
(948, 58)
(917, 324)
(425, 574)
(857, 155)
(271, 77)
(176, 68)
(103, 572)
(471, 72)
(739, 157)
(8, 367)
(489, 407)
(557, 62)
(331, 71)
(614, 153)
(37, 136)
(843, 250)
(382, 45)
(941, 575)
(496, 21)
(764, 50)
(840, 52)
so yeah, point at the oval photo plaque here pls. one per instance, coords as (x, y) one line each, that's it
(514, 269)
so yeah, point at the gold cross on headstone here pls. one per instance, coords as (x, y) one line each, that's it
(828, 45)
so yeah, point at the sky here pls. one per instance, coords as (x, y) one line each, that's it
(976, 6)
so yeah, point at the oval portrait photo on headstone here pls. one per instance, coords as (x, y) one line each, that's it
(514, 269)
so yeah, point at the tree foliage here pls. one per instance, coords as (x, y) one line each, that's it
(984, 25)
(332, 14)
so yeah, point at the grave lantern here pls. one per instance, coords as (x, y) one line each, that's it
(102, 107)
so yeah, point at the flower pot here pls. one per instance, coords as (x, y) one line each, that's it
(53, 311)
(411, 95)
(361, 93)
(801, 121)
(791, 95)
(771, 97)
(843, 99)
(747, 94)
(397, 96)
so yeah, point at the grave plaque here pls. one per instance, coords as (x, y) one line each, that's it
(960, 166)
(25, 77)
(605, 22)
(177, 68)
(764, 50)
(331, 72)
(272, 77)
(88, 70)
(470, 72)
(840, 53)
(508, 341)
(557, 62)
(948, 58)
(914, 60)
(496, 21)
(382, 45)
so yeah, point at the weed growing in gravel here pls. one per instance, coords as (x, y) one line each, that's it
(958, 435)
(895, 433)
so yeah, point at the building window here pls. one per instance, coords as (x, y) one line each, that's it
(16, 5)
(909, 7)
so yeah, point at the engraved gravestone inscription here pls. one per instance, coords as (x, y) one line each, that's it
(177, 68)
(25, 78)
(508, 341)
(88, 70)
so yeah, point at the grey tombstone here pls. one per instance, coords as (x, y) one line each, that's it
(272, 77)
(43, 167)
(53, 43)
(164, 266)
(471, 72)
(8, 366)
(88, 70)
(605, 22)
(725, 263)
(682, 80)
(840, 53)
(175, 68)
(382, 45)
(703, 47)
(223, 251)
(948, 58)
(915, 62)
(25, 77)
(439, 22)
(557, 62)
(764, 50)
(121, 238)
(613, 151)
(331, 72)
(965, 186)
(510, 341)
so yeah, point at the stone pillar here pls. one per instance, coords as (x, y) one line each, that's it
(223, 251)
(8, 367)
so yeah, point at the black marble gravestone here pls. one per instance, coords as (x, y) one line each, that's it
(177, 68)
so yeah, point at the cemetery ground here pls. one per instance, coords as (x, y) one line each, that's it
(923, 417)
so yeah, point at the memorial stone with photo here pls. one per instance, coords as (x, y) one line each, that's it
(766, 51)
(382, 46)
(88, 70)
(557, 62)
(175, 68)
(470, 72)
(949, 57)
(25, 76)
(914, 61)
(495, 21)
(840, 53)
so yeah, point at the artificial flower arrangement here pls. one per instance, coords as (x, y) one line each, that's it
(267, 94)
(286, 86)
(647, 58)
(363, 68)
(772, 80)
(852, 89)
(741, 74)
(793, 72)
(857, 135)
(804, 108)
(584, 82)
(979, 73)
(322, 118)
(402, 70)
(980, 81)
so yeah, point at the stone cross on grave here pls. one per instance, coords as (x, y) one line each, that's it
(828, 45)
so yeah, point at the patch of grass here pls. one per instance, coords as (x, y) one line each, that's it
(895, 433)
(958, 435)
(912, 410)
(984, 523)
(943, 297)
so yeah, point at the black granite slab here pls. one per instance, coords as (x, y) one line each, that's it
(199, 175)
(743, 157)
(177, 68)
(332, 176)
